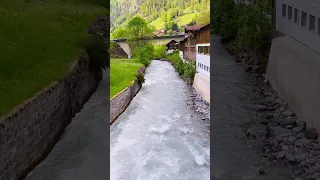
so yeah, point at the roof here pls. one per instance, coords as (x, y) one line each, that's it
(172, 41)
(157, 37)
(192, 28)
(195, 28)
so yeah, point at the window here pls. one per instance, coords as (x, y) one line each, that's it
(296, 15)
(303, 19)
(312, 23)
(205, 67)
(284, 10)
(290, 13)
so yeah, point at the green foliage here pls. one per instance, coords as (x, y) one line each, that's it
(247, 23)
(253, 27)
(151, 10)
(112, 46)
(140, 78)
(145, 54)
(204, 17)
(138, 28)
(189, 70)
(119, 33)
(177, 62)
(122, 73)
(98, 53)
(159, 52)
(38, 41)
(223, 18)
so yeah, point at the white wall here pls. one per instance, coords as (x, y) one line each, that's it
(204, 60)
(302, 34)
(125, 47)
(294, 71)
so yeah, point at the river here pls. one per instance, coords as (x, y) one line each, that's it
(159, 136)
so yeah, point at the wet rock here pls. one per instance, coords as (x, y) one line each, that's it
(291, 140)
(249, 68)
(311, 133)
(288, 112)
(300, 157)
(288, 121)
(304, 142)
(298, 178)
(260, 107)
(266, 81)
(262, 171)
(277, 131)
(290, 157)
(280, 155)
(264, 122)
(301, 124)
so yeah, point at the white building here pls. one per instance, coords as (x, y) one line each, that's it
(294, 61)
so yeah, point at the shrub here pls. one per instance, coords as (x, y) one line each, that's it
(159, 52)
(189, 70)
(223, 17)
(175, 59)
(98, 53)
(140, 78)
(254, 27)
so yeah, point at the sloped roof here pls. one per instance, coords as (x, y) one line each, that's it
(195, 28)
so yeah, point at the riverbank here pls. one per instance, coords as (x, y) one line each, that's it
(122, 73)
(195, 101)
(282, 135)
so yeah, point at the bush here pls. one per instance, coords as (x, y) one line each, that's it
(175, 59)
(98, 53)
(253, 28)
(189, 70)
(248, 24)
(223, 17)
(159, 52)
(140, 78)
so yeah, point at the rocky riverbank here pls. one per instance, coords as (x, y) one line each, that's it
(198, 105)
(283, 136)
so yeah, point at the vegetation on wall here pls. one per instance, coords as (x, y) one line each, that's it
(186, 70)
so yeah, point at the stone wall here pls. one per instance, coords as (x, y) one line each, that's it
(30, 131)
(121, 101)
(294, 71)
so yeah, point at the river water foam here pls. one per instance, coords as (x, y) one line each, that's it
(158, 136)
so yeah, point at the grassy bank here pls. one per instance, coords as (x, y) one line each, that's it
(122, 73)
(38, 41)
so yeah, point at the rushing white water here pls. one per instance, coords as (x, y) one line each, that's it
(158, 137)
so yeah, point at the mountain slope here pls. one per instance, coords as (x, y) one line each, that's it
(160, 11)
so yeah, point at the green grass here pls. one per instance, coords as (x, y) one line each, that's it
(182, 20)
(38, 41)
(122, 73)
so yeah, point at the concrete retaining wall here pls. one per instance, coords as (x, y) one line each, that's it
(121, 101)
(294, 72)
(202, 85)
(31, 130)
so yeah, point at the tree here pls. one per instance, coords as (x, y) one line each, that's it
(138, 28)
(204, 17)
(119, 33)
(138, 32)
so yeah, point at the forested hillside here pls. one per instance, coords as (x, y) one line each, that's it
(157, 12)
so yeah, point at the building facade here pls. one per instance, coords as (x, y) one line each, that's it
(202, 77)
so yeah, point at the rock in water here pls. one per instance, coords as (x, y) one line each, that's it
(312, 134)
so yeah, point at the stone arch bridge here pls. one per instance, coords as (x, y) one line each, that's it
(161, 40)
